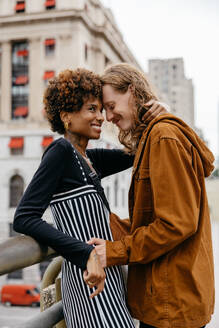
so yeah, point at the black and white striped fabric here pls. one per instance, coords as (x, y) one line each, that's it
(82, 214)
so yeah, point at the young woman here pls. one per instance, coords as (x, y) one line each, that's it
(68, 179)
(167, 242)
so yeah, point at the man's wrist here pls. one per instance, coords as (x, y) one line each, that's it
(115, 253)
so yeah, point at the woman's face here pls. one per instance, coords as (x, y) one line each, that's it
(88, 121)
(119, 107)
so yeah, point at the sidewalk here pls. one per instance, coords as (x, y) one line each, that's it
(215, 234)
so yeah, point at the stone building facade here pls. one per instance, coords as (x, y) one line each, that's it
(38, 39)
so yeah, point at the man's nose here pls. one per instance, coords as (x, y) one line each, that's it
(109, 116)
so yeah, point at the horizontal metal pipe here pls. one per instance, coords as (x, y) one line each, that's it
(45, 319)
(21, 252)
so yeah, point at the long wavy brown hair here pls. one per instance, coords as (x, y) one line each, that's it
(120, 77)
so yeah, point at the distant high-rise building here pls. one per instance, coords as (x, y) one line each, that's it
(168, 77)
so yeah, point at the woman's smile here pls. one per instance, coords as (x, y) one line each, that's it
(96, 127)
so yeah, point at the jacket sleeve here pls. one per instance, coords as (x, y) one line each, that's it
(119, 227)
(176, 197)
(110, 161)
(28, 216)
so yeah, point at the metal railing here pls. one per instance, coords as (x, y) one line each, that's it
(21, 252)
(45, 319)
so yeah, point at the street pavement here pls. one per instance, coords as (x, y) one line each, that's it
(10, 317)
(215, 234)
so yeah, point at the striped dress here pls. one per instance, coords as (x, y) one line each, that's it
(82, 214)
(63, 182)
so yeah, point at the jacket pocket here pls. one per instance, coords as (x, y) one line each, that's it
(142, 191)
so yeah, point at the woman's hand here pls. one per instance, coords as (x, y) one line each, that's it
(100, 247)
(155, 108)
(94, 275)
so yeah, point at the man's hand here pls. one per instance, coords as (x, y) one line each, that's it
(155, 108)
(100, 247)
(94, 275)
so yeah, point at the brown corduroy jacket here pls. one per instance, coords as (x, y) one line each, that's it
(167, 242)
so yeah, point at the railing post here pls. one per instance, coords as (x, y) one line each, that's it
(49, 279)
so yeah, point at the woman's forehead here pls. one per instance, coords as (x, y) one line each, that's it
(93, 101)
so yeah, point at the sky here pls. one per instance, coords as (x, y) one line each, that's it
(178, 28)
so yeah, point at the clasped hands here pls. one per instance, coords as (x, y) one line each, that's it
(94, 275)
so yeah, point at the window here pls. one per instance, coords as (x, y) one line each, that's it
(16, 145)
(123, 197)
(20, 81)
(20, 7)
(85, 52)
(21, 111)
(48, 75)
(108, 193)
(22, 53)
(116, 192)
(16, 190)
(50, 4)
(50, 47)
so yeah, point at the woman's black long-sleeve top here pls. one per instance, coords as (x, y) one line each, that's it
(59, 171)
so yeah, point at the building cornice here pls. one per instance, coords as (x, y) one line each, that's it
(73, 14)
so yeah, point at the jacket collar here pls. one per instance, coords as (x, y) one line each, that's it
(143, 140)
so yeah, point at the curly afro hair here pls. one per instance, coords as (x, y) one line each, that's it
(68, 92)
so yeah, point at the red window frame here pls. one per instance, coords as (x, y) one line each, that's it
(22, 53)
(47, 140)
(50, 42)
(21, 111)
(16, 142)
(21, 80)
(48, 75)
(20, 6)
(50, 3)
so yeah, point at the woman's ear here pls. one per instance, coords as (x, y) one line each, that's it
(63, 116)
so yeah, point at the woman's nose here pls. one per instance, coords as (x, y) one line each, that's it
(100, 116)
